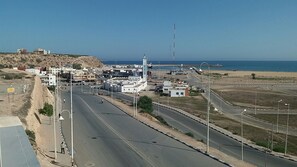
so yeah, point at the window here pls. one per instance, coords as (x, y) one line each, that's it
(181, 93)
(177, 93)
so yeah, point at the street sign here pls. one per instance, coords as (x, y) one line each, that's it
(10, 90)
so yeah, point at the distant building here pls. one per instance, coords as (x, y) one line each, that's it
(179, 91)
(167, 85)
(35, 71)
(144, 68)
(41, 51)
(22, 51)
(48, 80)
(131, 85)
(80, 76)
(54, 70)
(175, 90)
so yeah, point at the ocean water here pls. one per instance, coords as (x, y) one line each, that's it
(277, 66)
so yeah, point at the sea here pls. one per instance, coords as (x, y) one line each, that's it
(274, 66)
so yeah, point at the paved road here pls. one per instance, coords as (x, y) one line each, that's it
(234, 112)
(217, 140)
(220, 141)
(106, 136)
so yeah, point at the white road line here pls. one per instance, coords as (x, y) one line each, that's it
(146, 158)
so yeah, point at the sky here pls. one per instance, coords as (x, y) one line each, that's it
(116, 30)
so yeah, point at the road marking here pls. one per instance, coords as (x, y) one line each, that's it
(120, 136)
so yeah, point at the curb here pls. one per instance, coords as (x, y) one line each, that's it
(220, 130)
(172, 137)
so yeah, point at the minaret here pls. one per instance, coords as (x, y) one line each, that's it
(144, 68)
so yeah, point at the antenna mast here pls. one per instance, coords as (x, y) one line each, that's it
(173, 53)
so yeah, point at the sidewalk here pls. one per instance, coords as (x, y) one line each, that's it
(46, 153)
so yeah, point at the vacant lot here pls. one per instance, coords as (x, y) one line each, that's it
(240, 89)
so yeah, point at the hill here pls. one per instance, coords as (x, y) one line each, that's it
(51, 60)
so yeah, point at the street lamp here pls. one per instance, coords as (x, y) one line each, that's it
(135, 101)
(55, 111)
(242, 133)
(256, 103)
(71, 113)
(277, 114)
(208, 105)
(61, 117)
(71, 116)
(287, 128)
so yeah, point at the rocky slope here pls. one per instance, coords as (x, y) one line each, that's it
(37, 60)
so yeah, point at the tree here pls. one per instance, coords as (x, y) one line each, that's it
(77, 66)
(47, 110)
(253, 75)
(146, 104)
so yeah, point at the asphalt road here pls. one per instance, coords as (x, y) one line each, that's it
(221, 142)
(218, 140)
(234, 112)
(105, 136)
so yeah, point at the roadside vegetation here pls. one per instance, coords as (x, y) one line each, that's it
(31, 136)
(146, 106)
(197, 106)
(47, 110)
(11, 76)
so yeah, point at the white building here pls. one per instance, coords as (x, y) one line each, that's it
(132, 85)
(34, 71)
(177, 90)
(167, 85)
(144, 68)
(49, 80)
(54, 70)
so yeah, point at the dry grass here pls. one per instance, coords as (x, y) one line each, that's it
(228, 86)
(198, 106)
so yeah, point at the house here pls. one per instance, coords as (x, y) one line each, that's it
(41, 51)
(175, 90)
(22, 51)
(48, 80)
(167, 85)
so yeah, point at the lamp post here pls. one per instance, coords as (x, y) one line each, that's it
(208, 105)
(287, 128)
(71, 113)
(55, 111)
(136, 103)
(277, 114)
(256, 103)
(242, 133)
(71, 117)
(135, 94)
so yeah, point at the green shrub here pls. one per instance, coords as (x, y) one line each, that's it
(47, 110)
(189, 134)
(77, 66)
(10, 76)
(31, 134)
(279, 149)
(146, 104)
(52, 88)
(161, 119)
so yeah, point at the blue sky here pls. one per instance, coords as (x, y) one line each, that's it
(126, 29)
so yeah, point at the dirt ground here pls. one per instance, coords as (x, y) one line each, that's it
(25, 105)
(235, 82)
(240, 89)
